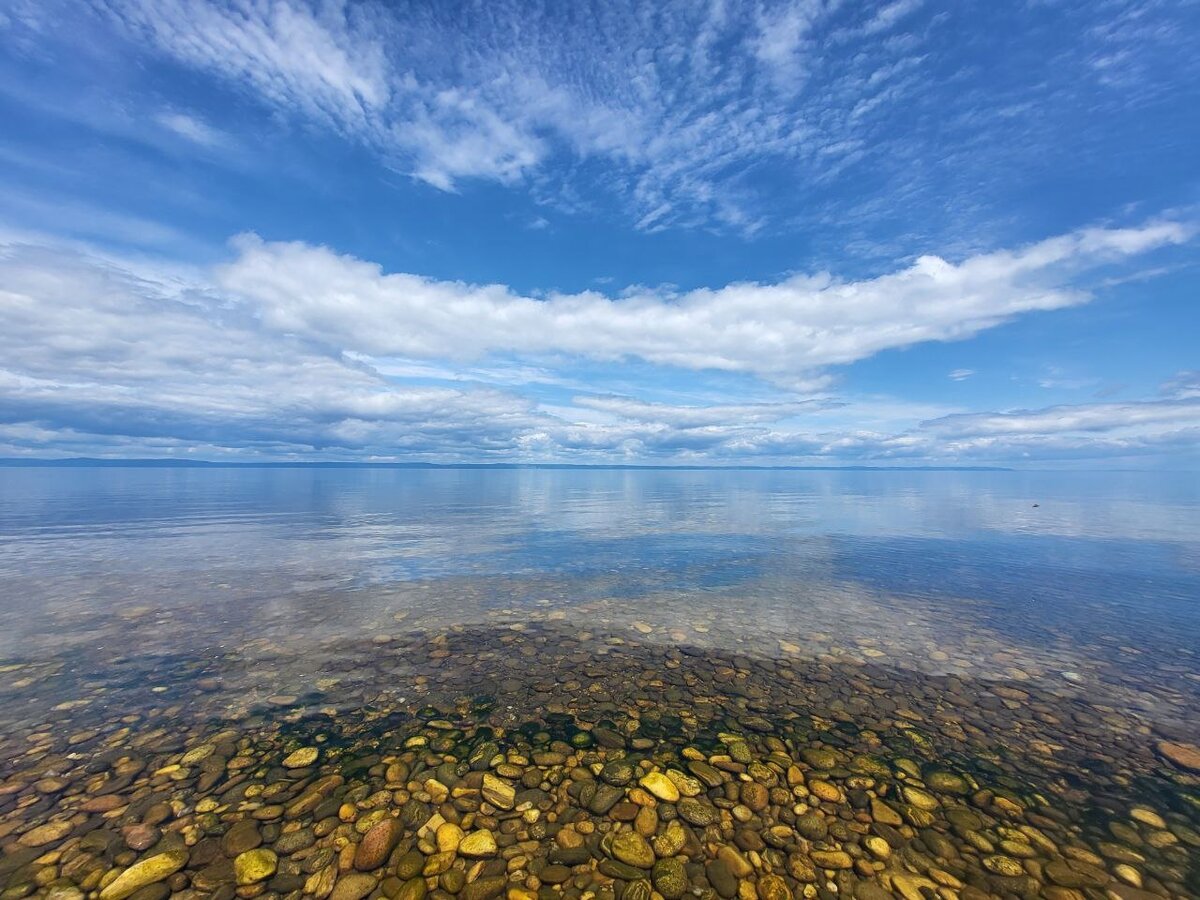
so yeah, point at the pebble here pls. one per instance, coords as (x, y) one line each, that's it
(145, 872)
(243, 835)
(632, 849)
(808, 779)
(478, 844)
(723, 880)
(50, 833)
(831, 859)
(1185, 756)
(448, 837)
(660, 786)
(254, 866)
(354, 886)
(669, 878)
(497, 792)
(377, 844)
(697, 813)
(302, 758)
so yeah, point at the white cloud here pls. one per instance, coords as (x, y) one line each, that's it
(193, 129)
(782, 331)
(106, 355)
(961, 374)
(890, 14)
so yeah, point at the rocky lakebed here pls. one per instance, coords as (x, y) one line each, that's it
(546, 757)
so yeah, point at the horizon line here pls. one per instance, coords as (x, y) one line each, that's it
(169, 462)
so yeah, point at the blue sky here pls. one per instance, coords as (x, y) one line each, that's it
(808, 232)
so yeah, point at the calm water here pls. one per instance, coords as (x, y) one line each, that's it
(1033, 637)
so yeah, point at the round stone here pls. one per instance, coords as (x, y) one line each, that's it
(669, 877)
(299, 759)
(254, 866)
(632, 849)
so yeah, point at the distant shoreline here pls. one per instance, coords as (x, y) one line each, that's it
(98, 463)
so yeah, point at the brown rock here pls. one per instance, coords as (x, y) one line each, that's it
(141, 837)
(1186, 756)
(377, 845)
(755, 796)
(102, 804)
(242, 835)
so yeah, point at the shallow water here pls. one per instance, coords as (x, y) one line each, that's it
(908, 684)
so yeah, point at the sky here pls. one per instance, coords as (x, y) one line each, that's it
(773, 233)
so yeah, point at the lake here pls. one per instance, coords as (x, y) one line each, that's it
(615, 683)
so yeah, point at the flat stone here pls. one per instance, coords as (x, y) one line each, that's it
(141, 837)
(671, 840)
(1186, 756)
(826, 791)
(50, 833)
(947, 782)
(881, 812)
(618, 772)
(738, 864)
(812, 826)
(295, 841)
(831, 859)
(102, 804)
(605, 798)
(706, 773)
(410, 864)
(921, 799)
(755, 796)
(1147, 817)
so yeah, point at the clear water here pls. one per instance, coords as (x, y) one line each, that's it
(270, 596)
(1102, 560)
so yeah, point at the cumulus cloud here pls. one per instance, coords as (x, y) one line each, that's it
(92, 347)
(779, 331)
(295, 350)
